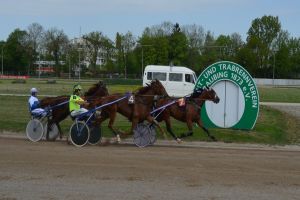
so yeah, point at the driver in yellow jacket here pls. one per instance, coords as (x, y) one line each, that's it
(76, 101)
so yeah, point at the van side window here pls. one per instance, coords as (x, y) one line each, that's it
(159, 76)
(149, 75)
(175, 77)
(189, 78)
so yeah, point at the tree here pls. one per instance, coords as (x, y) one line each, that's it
(178, 46)
(261, 35)
(294, 54)
(109, 50)
(124, 45)
(93, 43)
(15, 52)
(2, 47)
(195, 35)
(236, 44)
(32, 41)
(55, 42)
(228, 46)
(210, 51)
(163, 29)
(119, 52)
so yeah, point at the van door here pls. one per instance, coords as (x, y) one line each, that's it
(175, 84)
(189, 84)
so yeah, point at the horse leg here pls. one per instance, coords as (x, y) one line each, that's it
(60, 131)
(190, 127)
(169, 129)
(47, 131)
(199, 122)
(112, 118)
(151, 120)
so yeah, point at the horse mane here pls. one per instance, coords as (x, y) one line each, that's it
(143, 90)
(92, 90)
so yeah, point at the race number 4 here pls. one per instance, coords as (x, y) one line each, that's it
(131, 99)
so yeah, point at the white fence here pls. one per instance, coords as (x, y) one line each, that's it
(278, 82)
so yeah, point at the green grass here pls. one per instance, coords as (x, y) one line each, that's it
(279, 94)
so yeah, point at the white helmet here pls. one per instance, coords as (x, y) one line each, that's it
(33, 90)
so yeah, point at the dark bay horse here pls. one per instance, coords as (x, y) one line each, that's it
(137, 111)
(189, 113)
(60, 113)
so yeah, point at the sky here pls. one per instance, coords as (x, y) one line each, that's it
(77, 17)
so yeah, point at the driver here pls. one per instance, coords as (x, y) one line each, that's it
(76, 101)
(34, 104)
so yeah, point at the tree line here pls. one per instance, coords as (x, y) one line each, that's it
(268, 50)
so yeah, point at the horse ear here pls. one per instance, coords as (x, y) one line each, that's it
(207, 87)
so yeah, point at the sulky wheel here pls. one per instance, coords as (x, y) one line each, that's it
(79, 133)
(34, 130)
(141, 135)
(95, 135)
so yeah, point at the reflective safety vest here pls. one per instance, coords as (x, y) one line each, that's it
(73, 103)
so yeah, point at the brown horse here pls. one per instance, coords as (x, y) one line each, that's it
(61, 112)
(136, 112)
(189, 113)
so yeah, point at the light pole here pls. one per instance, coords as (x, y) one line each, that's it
(143, 45)
(2, 60)
(274, 64)
(79, 67)
(39, 66)
(142, 62)
(274, 67)
(69, 66)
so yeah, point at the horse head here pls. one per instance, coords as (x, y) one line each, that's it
(210, 94)
(97, 89)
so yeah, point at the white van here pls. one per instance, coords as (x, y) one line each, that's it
(178, 81)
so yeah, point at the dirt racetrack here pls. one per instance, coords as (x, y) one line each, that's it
(55, 170)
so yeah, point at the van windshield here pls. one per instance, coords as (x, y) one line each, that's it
(195, 77)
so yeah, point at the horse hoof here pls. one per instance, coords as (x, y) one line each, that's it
(118, 139)
(213, 138)
(178, 140)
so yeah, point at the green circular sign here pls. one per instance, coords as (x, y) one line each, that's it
(219, 73)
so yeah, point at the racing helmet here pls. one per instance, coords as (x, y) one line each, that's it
(77, 87)
(33, 91)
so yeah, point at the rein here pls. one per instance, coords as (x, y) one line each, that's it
(58, 105)
(103, 105)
